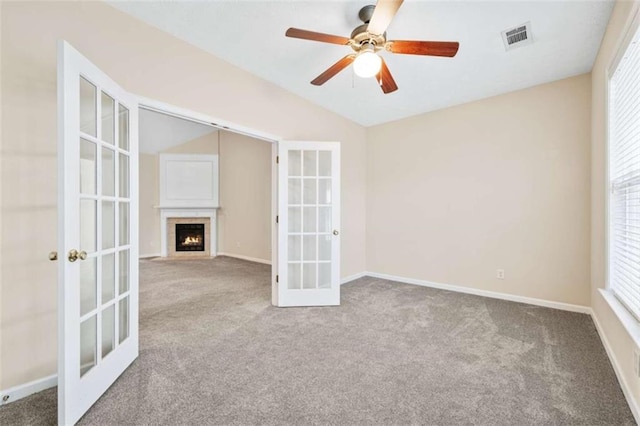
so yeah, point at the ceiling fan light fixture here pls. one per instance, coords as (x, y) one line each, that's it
(367, 64)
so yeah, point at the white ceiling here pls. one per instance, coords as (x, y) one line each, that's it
(159, 132)
(250, 35)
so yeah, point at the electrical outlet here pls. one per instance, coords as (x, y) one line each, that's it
(500, 274)
(237, 243)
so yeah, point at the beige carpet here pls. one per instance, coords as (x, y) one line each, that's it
(214, 351)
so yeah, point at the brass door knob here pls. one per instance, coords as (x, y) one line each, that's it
(53, 256)
(75, 255)
(335, 232)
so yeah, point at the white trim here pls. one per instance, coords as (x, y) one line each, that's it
(247, 258)
(486, 293)
(353, 277)
(626, 389)
(147, 256)
(22, 391)
(630, 28)
(168, 109)
(624, 315)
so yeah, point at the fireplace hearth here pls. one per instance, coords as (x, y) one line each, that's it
(190, 237)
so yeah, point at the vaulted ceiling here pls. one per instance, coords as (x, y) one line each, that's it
(250, 35)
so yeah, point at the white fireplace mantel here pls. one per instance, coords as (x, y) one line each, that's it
(204, 212)
(188, 189)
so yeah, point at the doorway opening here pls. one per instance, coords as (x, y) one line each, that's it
(206, 189)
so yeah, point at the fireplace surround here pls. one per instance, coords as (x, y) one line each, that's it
(189, 236)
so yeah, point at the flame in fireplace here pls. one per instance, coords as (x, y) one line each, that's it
(192, 241)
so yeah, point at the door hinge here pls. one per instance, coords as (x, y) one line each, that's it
(277, 159)
(277, 278)
(277, 219)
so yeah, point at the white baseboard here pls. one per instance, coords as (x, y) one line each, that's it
(485, 293)
(250, 259)
(21, 391)
(352, 277)
(146, 256)
(626, 389)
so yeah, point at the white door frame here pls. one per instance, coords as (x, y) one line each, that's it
(186, 114)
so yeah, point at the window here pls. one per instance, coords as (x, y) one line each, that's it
(624, 177)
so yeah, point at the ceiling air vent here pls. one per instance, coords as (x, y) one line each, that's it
(517, 36)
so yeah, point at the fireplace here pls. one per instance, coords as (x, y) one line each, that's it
(190, 237)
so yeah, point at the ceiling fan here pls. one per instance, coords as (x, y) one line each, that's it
(369, 38)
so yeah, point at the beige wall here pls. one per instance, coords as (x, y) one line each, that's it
(245, 197)
(149, 228)
(502, 183)
(127, 50)
(620, 342)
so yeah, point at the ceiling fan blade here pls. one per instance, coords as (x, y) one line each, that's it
(311, 35)
(333, 70)
(387, 83)
(382, 15)
(429, 48)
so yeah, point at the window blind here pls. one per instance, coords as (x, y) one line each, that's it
(624, 178)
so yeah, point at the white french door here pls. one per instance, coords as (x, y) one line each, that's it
(309, 223)
(98, 235)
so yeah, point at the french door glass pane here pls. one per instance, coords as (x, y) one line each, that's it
(88, 225)
(295, 163)
(295, 219)
(108, 172)
(124, 224)
(309, 247)
(294, 279)
(108, 224)
(295, 191)
(108, 277)
(108, 118)
(324, 163)
(88, 107)
(108, 330)
(310, 193)
(324, 191)
(309, 275)
(87, 167)
(88, 345)
(123, 127)
(324, 220)
(309, 163)
(124, 176)
(309, 219)
(123, 319)
(123, 285)
(324, 275)
(88, 285)
(295, 247)
(324, 247)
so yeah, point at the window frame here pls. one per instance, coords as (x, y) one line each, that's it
(631, 28)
